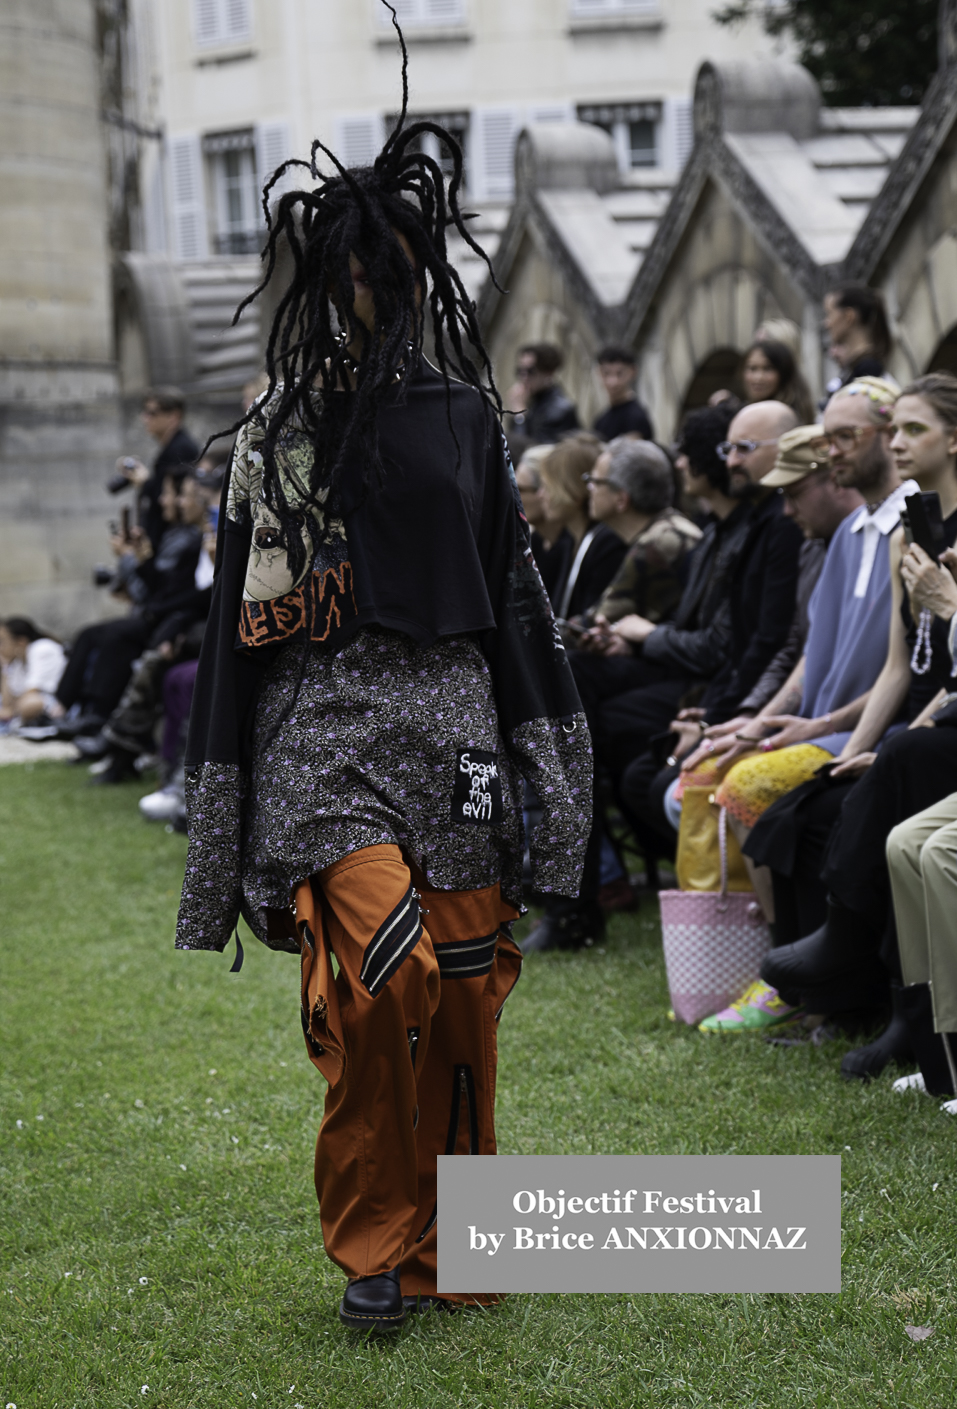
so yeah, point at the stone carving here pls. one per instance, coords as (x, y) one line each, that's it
(920, 151)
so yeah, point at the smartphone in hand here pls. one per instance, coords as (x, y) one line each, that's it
(924, 524)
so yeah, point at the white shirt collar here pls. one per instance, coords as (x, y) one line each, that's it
(886, 516)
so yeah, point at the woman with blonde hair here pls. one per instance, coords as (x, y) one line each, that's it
(591, 553)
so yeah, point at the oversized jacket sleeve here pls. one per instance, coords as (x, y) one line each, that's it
(540, 715)
(217, 753)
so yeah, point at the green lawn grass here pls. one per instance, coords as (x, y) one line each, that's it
(157, 1122)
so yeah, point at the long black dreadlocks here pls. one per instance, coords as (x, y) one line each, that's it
(307, 351)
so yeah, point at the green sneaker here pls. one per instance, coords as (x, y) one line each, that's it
(758, 1008)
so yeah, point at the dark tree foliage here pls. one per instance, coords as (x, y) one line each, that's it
(862, 52)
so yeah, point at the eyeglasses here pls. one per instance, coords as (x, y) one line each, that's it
(594, 480)
(523, 372)
(743, 447)
(848, 436)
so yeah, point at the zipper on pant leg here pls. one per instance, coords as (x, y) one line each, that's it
(463, 1089)
(467, 1088)
(413, 1035)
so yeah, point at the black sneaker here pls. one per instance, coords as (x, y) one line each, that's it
(374, 1303)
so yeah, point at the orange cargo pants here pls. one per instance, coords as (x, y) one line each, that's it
(405, 1034)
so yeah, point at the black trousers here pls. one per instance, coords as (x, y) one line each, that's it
(642, 795)
(601, 679)
(100, 662)
(914, 769)
(792, 839)
(627, 700)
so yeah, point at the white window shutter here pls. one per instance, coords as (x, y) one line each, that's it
(406, 12)
(439, 12)
(359, 138)
(238, 20)
(493, 162)
(273, 147)
(684, 130)
(423, 12)
(188, 203)
(675, 133)
(207, 20)
(584, 9)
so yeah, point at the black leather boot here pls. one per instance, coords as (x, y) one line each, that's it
(419, 1305)
(936, 1052)
(893, 1045)
(374, 1303)
(844, 944)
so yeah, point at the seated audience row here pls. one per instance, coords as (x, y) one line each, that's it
(802, 669)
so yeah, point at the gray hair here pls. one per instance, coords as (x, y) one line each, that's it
(643, 471)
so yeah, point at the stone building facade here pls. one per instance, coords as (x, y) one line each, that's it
(120, 120)
(763, 218)
(59, 408)
(907, 246)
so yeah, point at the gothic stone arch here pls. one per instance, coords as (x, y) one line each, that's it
(721, 284)
(924, 307)
(540, 307)
(918, 271)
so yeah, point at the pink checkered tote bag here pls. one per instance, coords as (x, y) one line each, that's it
(714, 943)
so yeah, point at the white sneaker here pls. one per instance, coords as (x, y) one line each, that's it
(914, 1082)
(161, 806)
(949, 1108)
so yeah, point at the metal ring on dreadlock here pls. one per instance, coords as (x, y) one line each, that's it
(922, 646)
(342, 341)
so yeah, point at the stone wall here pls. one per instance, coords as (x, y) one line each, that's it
(540, 307)
(59, 410)
(918, 275)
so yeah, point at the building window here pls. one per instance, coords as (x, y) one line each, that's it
(642, 143)
(455, 123)
(233, 179)
(633, 127)
(427, 14)
(222, 21)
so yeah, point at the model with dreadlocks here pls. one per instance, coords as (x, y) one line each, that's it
(380, 671)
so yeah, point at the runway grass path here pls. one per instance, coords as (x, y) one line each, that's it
(159, 1239)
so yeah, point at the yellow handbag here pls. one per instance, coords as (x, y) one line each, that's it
(699, 858)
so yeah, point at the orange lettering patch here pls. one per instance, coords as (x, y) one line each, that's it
(316, 608)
